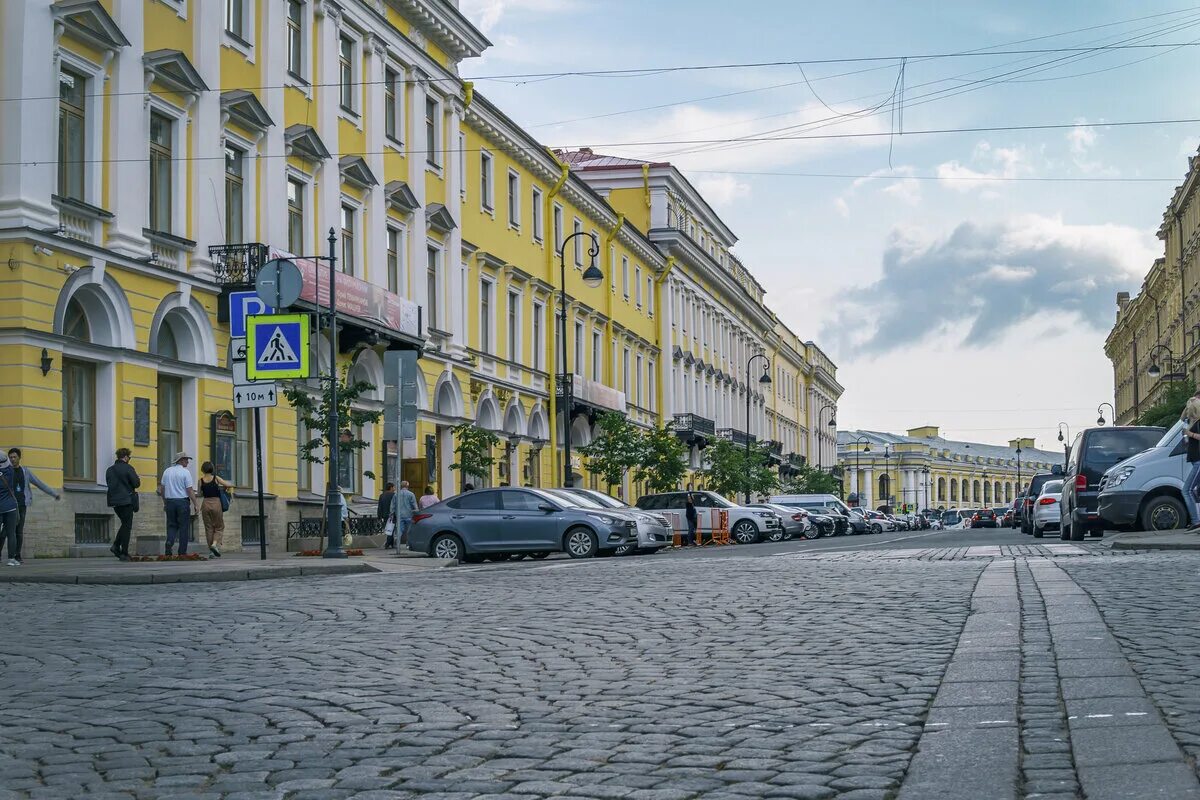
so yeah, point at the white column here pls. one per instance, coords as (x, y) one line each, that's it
(207, 142)
(452, 114)
(417, 236)
(868, 490)
(129, 137)
(272, 213)
(376, 259)
(27, 128)
(329, 184)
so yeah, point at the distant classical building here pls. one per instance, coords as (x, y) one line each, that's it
(923, 470)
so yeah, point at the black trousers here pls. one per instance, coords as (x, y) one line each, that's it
(9, 520)
(125, 514)
(20, 533)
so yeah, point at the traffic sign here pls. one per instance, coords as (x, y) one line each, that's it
(256, 395)
(277, 346)
(242, 305)
(279, 282)
(237, 349)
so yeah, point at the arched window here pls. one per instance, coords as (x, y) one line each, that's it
(75, 322)
(885, 486)
(167, 345)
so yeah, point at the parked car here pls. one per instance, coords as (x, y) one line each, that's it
(984, 518)
(845, 521)
(499, 523)
(654, 530)
(1007, 519)
(1145, 492)
(880, 522)
(1094, 451)
(1031, 493)
(871, 524)
(822, 525)
(746, 525)
(1045, 508)
(794, 521)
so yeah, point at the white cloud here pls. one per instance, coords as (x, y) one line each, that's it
(721, 190)
(898, 183)
(487, 14)
(1080, 141)
(993, 163)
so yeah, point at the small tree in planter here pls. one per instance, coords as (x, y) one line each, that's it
(733, 472)
(810, 480)
(662, 464)
(473, 447)
(616, 449)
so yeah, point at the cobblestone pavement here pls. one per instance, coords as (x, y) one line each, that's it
(650, 679)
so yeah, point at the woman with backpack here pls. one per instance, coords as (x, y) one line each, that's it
(215, 492)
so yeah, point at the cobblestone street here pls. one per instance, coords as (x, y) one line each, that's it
(867, 674)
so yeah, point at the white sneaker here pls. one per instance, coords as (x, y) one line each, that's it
(12, 562)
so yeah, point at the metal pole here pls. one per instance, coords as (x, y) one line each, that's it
(750, 361)
(262, 516)
(333, 498)
(567, 390)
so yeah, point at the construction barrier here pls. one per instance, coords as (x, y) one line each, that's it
(715, 532)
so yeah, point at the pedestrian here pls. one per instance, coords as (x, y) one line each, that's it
(405, 507)
(384, 512)
(212, 506)
(123, 482)
(1191, 418)
(8, 511)
(23, 482)
(690, 515)
(428, 498)
(179, 500)
(468, 487)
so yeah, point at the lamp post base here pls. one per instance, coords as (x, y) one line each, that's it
(333, 525)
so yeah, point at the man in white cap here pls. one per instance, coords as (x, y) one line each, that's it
(179, 499)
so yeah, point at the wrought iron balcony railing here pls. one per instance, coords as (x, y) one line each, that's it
(734, 435)
(692, 425)
(235, 264)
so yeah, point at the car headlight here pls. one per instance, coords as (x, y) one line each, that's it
(662, 521)
(607, 520)
(1118, 477)
(763, 513)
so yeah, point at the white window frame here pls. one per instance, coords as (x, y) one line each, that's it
(637, 283)
(179, 161)
(650, 295)
(651, 402)
(353, 112)
(580, 329)
(360, 263)
(487, 182)
(305, 45)
(557, 226)
(487, 322)
(640, 363)
(625, 371)
(514, 199)
(249, 184)
(514, 343)
(401, 231)
(395, 142)
(243, 44)
(439, 276)
(597, 354)
(306, 184)
(93, 123)
(433, 150)
(538, 320)
(462, 166)
(539, 223)
(577, 227)
(625, 276)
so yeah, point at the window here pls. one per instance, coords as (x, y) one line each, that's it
(625, 276)
(71, 117)
(79, 420)
(350, 465)
(597, 355)
(557, 222)
(514, 199)
(625, 371)
(161, 131)
(637, 282)
(391, 109)
(578, 349)
(639, 380)
(485, 181)
(514, 326)
(235, 160)
(347, 264)
(235, 18)
(346, 72)
(170, 417)
(537, 344)
(577, 227)
(650, 295)
(295, 217)
(536, 201)
(393, 260)
(431, 286)
(485, 316)
(462, 165)
(242, 472)
(295, 37)
(650, 401)
(432, 140)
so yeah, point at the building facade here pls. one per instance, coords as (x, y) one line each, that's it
(1160, 326)
(922, 470)
(165, 150)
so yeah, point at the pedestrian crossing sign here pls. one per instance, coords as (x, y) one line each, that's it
(277, 346)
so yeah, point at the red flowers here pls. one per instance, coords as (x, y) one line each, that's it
(187, 557)
(314, 553)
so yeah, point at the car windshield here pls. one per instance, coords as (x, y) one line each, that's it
(603, 499)
(717, 501)
(572, 499)
(1171, 437)
(950, 517)
(1107, 447)
(1052, 487)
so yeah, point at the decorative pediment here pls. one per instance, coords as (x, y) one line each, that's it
(437, 216)
(302, 140)
(708, 368)
(400, 197)
(689, 359)
(515, 274)
(172, 69)
(489, 260)
(88, 21)
(243, 107)
(355, 172)
(677, 352)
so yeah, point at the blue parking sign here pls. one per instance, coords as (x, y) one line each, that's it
(242, 305)
(277, 346)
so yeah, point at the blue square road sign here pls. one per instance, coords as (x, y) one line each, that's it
(277, 346)
(242, 305)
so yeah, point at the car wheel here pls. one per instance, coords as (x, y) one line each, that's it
(1038, 533)
(776, 535)
(1064, 532)
(447, 546)
(787, 537)
(876, 528)
(538, 556)
(1163, 513)
(745, 532)
(499, 556)
(580, 543)
(1078, 535)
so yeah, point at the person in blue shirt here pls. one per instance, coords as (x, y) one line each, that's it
(23, 482)
(9, 516)
(405, 506)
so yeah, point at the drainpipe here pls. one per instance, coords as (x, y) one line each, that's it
(553, 327)
(646, 182)
(608, 305)
(664, 356)
(468, 93)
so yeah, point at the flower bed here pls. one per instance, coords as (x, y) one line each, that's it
(314, 553)
(188, 557)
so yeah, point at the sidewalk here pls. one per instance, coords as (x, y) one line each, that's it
(1153, 540)
(231, 567)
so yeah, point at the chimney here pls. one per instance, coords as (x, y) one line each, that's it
(587, 151)
(1122, 301)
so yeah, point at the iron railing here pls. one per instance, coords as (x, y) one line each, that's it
(237, 263)
(93, 528)
(691, 425)
(314, 527)
(734, 435)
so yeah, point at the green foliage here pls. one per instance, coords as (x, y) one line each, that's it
(1166, 411)
(810, 480)
(473, 446)
(616, 448)
(732, 471)
(314, 414)
(662, 464)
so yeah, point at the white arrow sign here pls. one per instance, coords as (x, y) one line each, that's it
(258, 395)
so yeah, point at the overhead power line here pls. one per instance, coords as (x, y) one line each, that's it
(901, 177)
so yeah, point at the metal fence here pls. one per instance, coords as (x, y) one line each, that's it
(250, 530)
(314, 527)
(93, 528)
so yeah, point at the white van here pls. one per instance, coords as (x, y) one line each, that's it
(1145, 492)
(823, 499)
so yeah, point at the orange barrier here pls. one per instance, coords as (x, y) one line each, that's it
(717, 532)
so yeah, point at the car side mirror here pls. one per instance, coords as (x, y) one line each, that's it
(1056, 469)
(549, 509)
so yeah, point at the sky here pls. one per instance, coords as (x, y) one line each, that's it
(956, 279)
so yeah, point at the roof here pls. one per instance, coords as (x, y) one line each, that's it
(956, 448)
(584, 159)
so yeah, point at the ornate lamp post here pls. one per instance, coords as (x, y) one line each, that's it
(764, 379)
(592, 277)
(1066, 441)
(832, 422)
(1100, 412)
(927, 473)
(866, 448)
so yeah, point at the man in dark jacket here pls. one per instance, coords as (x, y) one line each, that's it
(23, 482)
(9, 516)
(123, 483)
(384, 509)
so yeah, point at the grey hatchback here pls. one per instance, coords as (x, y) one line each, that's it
(500, 523)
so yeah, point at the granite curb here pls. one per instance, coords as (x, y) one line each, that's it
(1154, 540)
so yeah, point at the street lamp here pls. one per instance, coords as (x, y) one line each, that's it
(866, 448)
(1100, 411)
(1154, 371)
(333, 495)
(832, 422)
(1065, 441)
(592, 277)
(928, 486)
(1019, 486)
(765, 379)
(887, 453)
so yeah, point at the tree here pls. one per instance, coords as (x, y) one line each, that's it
(662, 464)
(473, 446)
(616, 448)
(313, 412)
(732, 471)
(1165, 412)
(810, 480)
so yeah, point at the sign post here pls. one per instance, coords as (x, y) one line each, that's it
(242, 387)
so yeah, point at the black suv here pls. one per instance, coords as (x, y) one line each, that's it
(1025, 512)
(984, 518)
(1093, 452)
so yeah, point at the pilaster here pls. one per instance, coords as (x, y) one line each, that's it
(129, 137)
(208, 140)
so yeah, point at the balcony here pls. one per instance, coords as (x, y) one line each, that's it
(735, 436)
(238, 264)
(694, 428)
(774, 451)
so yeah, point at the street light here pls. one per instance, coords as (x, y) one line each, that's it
(928, 486)
(333, 495)
(1066, 446)
(866, 448)
(1100, 411)
(832, 422)
(592, 277)
(765, 379)
(1154, 371)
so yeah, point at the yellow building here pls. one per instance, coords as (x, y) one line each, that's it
(1156, 337)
